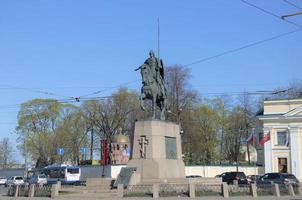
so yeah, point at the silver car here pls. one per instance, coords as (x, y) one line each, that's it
(40, 179)
(3, 181)
(15, 180)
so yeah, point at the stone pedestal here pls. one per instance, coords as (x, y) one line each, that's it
(156, 153)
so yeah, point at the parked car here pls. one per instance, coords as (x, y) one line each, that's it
(40, 179)
(229, 177)
(15, 180)
(278, 178)
(220, 175)
(2, 180)
(253, 178)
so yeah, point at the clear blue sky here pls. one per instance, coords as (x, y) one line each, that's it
(73, 47)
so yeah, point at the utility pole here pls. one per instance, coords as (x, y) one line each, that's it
(25, 155)
(91, 143)
(221, 145)
(247, 135)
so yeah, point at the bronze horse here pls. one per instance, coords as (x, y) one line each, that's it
(153, 91)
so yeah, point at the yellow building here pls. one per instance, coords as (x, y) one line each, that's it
(282, 119)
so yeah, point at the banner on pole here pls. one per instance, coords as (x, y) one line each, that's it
(104, 152)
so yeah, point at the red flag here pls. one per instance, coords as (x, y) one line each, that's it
(104, 155)
(266, 138)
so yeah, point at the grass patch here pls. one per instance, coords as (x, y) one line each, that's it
(234, 194)
(138, 194)
(173, 194)
(207, 193)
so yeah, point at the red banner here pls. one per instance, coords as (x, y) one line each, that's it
(104, 153)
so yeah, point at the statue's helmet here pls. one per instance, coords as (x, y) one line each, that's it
(151, 54)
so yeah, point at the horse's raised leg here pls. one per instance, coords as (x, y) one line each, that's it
(154, 106)
(163, 108)
(142, 98)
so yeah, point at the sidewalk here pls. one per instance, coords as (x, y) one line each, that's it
(164, 198)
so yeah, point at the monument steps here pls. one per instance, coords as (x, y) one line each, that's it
(95, 188)
(90, 195)
(91, 182)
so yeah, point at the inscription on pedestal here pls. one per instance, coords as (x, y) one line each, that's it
(171, 152)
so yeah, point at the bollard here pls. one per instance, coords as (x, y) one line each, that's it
(59, 185)
(277, 190)
(253, 189)
(155, 191)
(120, 190)
(225, 190)
(16, 191)
(54, 191)
(291, 190)
(192, 190)
(31, 192)
(235, 183)
(300, 188)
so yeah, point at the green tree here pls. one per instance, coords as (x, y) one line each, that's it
(221, 106)
(72, 135)
(205, 128)
(234, 134)
(37, 123)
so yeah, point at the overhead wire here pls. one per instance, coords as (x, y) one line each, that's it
(82, 97)
(109, 88)
(31, 90)
(292, 4)
(253, 43)
(270, 13)
(242, 47)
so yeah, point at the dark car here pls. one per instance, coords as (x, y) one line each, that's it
(229, 177)
(253, 178)
(278, 178)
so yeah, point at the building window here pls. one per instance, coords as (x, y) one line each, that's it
(282, 165)
(281, 138)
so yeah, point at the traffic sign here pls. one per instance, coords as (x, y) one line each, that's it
(83, 150)
(60, 151)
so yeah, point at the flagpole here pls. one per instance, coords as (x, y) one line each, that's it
(254, 141)
(158, 36)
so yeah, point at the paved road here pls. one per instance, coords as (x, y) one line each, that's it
(3, 190)
(169, 198)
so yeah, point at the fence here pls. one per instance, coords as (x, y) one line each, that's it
(34, 190)
(195, 189)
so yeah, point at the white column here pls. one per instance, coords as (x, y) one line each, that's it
(295, 154)
(268, 157)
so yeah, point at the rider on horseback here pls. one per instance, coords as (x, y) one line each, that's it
(157, 68)
(154, 86)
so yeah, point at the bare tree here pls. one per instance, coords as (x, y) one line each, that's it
(6, 150)
(180, 94)
(110, 116)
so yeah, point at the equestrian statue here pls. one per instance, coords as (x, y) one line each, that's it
(154, 87)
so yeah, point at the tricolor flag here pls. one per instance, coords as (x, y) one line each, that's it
(250, 139)
(265, 138)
